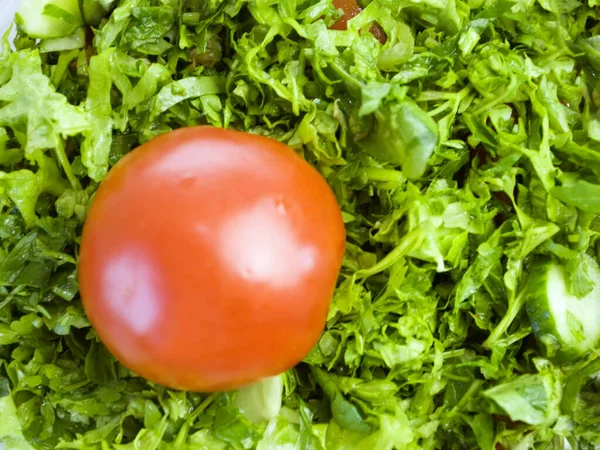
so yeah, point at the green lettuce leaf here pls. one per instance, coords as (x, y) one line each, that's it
(462, 145)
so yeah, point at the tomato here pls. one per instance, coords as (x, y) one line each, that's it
(209, 257)
(351, 9)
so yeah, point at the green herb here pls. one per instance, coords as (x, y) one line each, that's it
(58, 13)
(463, 151)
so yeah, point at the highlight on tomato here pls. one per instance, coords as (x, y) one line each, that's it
(209, 257)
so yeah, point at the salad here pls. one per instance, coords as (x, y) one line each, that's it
(462, 141)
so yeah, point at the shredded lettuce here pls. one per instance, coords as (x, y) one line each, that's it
(461, 150)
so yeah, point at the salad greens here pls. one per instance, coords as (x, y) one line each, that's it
(463, 151)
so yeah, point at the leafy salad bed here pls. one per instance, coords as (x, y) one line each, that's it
(463, 151)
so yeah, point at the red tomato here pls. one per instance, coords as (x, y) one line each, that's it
(209, 257)
(351, 9)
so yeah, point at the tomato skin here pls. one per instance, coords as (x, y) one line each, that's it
(209, 257)
(350, 8)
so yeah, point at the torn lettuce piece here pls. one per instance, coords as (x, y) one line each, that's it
(403, 135)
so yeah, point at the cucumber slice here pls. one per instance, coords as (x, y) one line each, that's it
(49, 19)
(565, 326)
